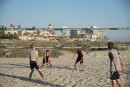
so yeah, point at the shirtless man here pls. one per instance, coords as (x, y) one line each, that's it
(34, 62)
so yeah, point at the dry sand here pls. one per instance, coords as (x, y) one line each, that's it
(14, 72)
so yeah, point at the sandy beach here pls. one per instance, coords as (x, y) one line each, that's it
(14, 72)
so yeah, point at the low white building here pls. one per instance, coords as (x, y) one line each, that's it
(92, 34)
(30, 34)
(97, 33)
(65, 31)
(11, 31)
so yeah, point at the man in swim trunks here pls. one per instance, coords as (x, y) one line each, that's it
(115, 65)
(79, 58)
(34, 62)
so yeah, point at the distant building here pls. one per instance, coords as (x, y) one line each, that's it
(49, 26)
(97, 33)
(50, 30)
(77, 33)
(73, 33)
(11, 26)
(65, 31)
(32, 34)
(90, 34)
(11, 31)
(94, 27)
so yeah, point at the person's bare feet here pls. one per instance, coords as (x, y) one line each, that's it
(29, 77)
(43, 79)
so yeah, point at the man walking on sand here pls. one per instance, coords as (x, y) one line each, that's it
(115, 65)
(34, 62)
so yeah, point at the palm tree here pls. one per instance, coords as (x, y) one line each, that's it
(19, 26)
(33, 27)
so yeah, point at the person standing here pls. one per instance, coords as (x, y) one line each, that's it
(79, 58)
(116, 65)
(34, 62)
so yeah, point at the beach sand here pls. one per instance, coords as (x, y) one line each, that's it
(14, 72)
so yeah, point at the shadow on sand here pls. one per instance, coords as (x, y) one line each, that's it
(63, 67)
(32, 80)
(18, 65)
(22, 65)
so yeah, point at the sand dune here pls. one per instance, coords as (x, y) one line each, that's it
(14, 72)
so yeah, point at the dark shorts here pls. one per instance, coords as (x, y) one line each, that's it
(33, 64)
(79, 60)
(114, 75)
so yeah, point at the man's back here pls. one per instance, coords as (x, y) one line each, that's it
(32, 55)
(112, 55)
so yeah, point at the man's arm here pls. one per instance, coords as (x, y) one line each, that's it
(83, 54)
(122, 62)
(73, 55)
(121, 59)
(45, 57)
(37, 59)
(115, 64)
(49, 58)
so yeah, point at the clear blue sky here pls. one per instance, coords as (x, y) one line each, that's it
(72, 13)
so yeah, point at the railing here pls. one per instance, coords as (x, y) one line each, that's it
(62, 47)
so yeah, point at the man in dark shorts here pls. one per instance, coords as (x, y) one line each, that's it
(79, 58)
(34, 62)
(115, 65)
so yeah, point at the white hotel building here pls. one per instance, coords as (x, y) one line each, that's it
(47, 34)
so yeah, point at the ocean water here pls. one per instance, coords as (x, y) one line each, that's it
(118, 35)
